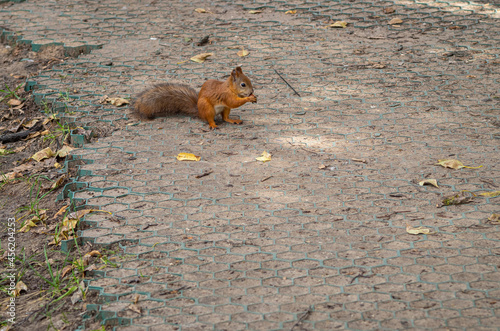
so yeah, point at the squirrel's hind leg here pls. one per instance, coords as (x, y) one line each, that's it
(207, 112)
(225, 116)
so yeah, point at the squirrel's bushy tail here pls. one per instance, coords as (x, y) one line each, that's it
(166, 99)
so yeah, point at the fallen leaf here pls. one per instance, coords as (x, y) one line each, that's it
(418, 230)
(432, 182)
(200, 58)
(86, 257)
(66, 270)
(64, 151)
(135, 307)
(265, 156)
(10, 176)
(494, 218)
(322, 166)
(33, 221)
(243, 52)
(58, 182)
(14, 102)
(360, 160)
(61, 211)
(255, 11)
(457, 199)
(491, 194)
(30, 123)
(291, 12)
(338, 24)
(200, 10)
(43, 154)
(395, 20)
(20, 286)
(188, 157)
(389, 10)
(78, 295)
(117, 101)
(454, 164)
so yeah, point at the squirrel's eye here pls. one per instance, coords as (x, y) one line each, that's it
(243, 84)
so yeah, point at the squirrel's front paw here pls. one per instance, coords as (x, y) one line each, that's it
(252, 98)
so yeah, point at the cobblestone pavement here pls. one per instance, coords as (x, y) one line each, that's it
(316, 238)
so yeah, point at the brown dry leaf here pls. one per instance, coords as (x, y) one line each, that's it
(19, 149)
(418, 230)
(389, 10)
(66, 270)
(43, 154)
(457, 199)
(395, 20)
(32, 222)
(10, 176)
(291, 12)
(255, 11)
(495, 218)
(64, 151)
(117, 101)
(20, 286)
(322, 166)
(33, 135)
(29, 124)
(135, 307)
(58, 182)
(454, 164)
(338, 24)
(265, 157)
(60, 212)
(14, 127)
(14, 102)
(432, 182)
(491, 194)
(243, 52)
(86, 257)
(188, 157)
(200, 10)
(200, 58)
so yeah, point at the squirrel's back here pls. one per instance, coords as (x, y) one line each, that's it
(166, 99)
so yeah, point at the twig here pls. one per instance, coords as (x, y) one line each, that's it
(304, 149)
(264, 179)
(303, 317)
(286, 82)
(204, 174)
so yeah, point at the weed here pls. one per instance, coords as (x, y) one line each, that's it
(35, 197)
(9, 94)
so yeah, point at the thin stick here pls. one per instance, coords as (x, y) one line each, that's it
(286, 82)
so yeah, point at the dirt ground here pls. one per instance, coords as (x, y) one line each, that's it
(29, 193)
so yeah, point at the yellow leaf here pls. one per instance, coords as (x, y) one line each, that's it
(200, 10)
(454, 164)
(490, 194)
(58, 182)
(27, 226)
(117, 101)
(200, 58)
(338, 24)
(255, 11)
(395, 20)
(61, 211)
(43, 154)
(432, 182)
(243, 52)
(494, 218)
(291, 12)
(20, 286)
(188, 157)
(419, 230)
(265, 156)
(64, 151)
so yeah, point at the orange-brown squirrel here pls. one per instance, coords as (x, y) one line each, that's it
(215, 98)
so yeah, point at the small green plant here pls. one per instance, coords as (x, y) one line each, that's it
(65, 96)
(10, 94)
(61, 131)
(36, 195)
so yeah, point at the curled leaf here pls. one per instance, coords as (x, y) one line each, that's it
(14, 102)
(64, 151)
(43, 154)
(491, 194)
(265, 156)
(494, 218)
(255, 11)
(454, 164)
(243, 52)
(338, 24)
(188, 157)
(418, 230)
(66, 270)
(457, 199)
(200, 58)
(200, 10)
(395, 20)
(117, 101)
(20, 286)
(291, 12)
(432, 182)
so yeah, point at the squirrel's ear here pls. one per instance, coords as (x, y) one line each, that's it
(234, 74)
(238, 69)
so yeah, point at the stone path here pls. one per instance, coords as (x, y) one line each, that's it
(316, 238)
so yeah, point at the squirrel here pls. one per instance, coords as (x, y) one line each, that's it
(215, 97)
